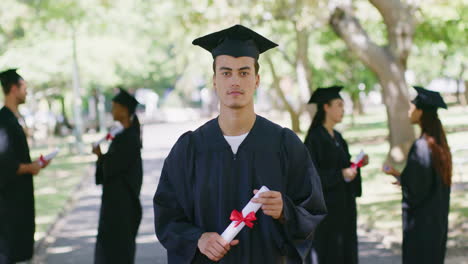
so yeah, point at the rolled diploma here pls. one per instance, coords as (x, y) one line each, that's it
(113, 132)
(48, 157)
(359, 157)
(231, 232)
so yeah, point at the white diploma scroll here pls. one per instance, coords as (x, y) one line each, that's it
(359, 160)
(236, 226)
(110, 136)
(48, 157)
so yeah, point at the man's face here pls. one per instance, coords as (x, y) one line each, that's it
(235, 81)
(20, 91)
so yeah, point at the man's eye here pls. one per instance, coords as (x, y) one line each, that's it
(226, 73)
(244, 73)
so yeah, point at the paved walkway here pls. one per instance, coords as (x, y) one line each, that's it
(73, 238)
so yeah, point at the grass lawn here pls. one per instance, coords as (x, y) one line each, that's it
(380, 205)
(54, 185)
(379, 208)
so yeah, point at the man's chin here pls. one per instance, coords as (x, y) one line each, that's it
(236, 106)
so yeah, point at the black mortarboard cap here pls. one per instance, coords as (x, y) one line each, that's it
(325, 94)
(236, 41)
(126, 99)
(428, 100)
(9, 77)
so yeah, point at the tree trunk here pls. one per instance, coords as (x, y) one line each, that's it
(466, 91)
(460, 99)
(388, 63)
(295, 121)
(357, 105)
(304, 69)
(77, 101)
(395, 97)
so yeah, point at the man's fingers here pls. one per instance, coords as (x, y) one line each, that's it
(218, 247)
(271, 207)
(234, 242)
(214, 252)
(267, 201)
(210, 255)
(272, 213)
(255, 191)
(269, 194)
(223, 245)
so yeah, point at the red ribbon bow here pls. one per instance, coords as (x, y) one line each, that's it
(239, 218)
(357, 165)
(109, 137)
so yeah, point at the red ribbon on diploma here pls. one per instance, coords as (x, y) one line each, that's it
(41, 158)
(357, 165)
(109, 137)
(239, 218)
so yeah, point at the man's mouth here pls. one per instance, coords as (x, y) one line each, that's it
(235, 92)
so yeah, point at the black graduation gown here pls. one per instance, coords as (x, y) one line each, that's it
(120, 172)
(16, 192)
(202, 181)
(336, 237)
(425, 205)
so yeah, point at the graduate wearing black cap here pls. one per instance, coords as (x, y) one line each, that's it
(425, 182)
(120, 172)
(17, 224)
(217, 168)
(336, 238)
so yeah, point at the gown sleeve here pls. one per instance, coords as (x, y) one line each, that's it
(416, 178)
(174, 228)
(9, 163)
(303, 203)
(356, 183)
(124, 150)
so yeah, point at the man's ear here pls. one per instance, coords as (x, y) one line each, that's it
(14, 88)
(214, 81)
(257, 81)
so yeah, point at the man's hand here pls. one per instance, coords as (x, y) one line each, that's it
(349, 173)
(214, 246)
(272, 203)
(34, 168)
(45, 163)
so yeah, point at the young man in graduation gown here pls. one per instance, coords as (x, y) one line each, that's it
(425, 183)
(17, 224)
(336, 237)
(218, 167)
(120, 172)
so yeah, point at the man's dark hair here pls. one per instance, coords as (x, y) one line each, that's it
(256, 66)
(9, 78)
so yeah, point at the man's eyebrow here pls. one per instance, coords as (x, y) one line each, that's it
(244, 68)
(225, 68)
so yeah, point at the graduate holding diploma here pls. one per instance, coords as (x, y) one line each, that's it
(212, 173)
(17, 225)
(336, 236)
(120, 172)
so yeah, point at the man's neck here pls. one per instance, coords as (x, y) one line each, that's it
(235, 122)
(12, 105)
